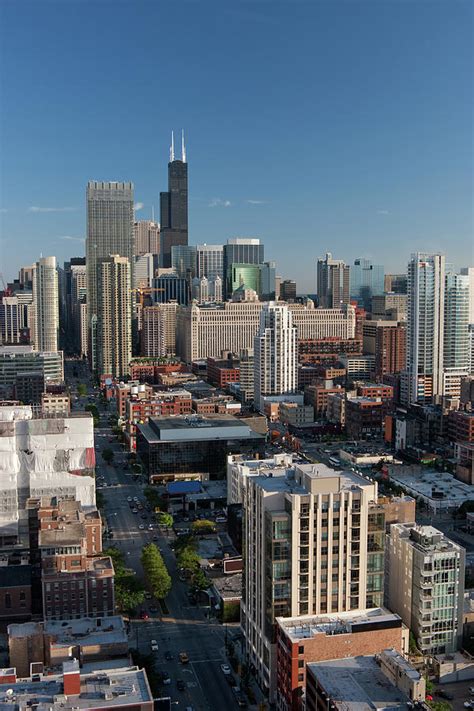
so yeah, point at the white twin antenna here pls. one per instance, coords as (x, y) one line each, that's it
(172, 147)
(183, 148)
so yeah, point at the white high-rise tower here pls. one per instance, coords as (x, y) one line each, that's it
(423, 379)
(46, 304)
(275, 353)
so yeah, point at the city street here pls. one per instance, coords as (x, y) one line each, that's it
(184, 628)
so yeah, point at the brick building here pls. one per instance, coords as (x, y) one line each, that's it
(318, 394)
(461, 426)
(310, 639)
(166, 403)
(15, 592)
(326, 350)
(222, 372)
(364, 418)
(148, 370)
(374, 390)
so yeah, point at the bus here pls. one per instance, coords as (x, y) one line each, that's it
(334, 461)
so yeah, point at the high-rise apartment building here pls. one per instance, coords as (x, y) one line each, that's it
(152, 333)
(46, 304)
(275, 353)
(456, 322)
(423, 379)
(146, 236)
(109, 231)
(366, 280)
(288, 290)
(332, 282)
(14, 318)
(174, 206)
(210, 261)
(387, 341)
(114, 332)
(183, 260)
(314, 544)
(469, 272)
(425, 585)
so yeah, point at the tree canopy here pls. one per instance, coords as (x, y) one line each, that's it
(155, 571)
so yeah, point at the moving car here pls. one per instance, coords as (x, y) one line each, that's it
(144, 615)
(154, 645)
(226, 669)
(183, 658)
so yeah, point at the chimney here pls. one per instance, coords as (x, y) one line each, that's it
(71, 678)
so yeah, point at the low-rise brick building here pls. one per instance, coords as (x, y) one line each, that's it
(364, 418)
(15, 593)
(310, 639)
(221, 372)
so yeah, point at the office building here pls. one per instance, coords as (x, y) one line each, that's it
(332, 282)
(51, 643)
(46, 304)
(241, 250)
(174, 448)
(382, 681)
(206, 331)
(144, 270)
(259, 277)
(396, 283)
(109, 231)
(366, 281)
(114, 332)
(425, 585)
(215, 289)
(423, 379)
(118, 688)
(171, 287)
(14, 318)
(200, 290)
(313, 544)
(389, 306)
(42, 457)
(287, 291)
(210, 261)
(174, 206)
(17, 361)
(25, 277)
(469, 272)
(311, 639)
(146, 237)
(183, 260)
(275, 354)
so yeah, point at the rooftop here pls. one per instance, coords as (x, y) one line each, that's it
(229, 587)
(105, 688)
(424, 481)
(196, 427)
(358, 684)
(85, 630)
(307, 626)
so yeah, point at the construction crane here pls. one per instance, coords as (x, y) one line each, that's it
(6, 290)
(142, 291)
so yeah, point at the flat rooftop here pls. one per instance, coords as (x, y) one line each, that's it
(84, 631)
(128, 686)
(196, 427)
(423, 482)
(308, 626)
(358, 684)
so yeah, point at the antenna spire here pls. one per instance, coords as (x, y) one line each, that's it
(183, 147)
(172, 147)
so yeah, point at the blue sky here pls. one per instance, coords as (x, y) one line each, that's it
(317, 126)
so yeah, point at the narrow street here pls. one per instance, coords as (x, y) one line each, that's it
(185, 627)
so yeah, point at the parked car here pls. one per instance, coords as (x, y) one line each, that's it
(154, 645)
(180, 685)
(183, 658)
(226, 669)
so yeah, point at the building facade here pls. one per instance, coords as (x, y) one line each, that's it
(46, 304)
(210, 261)
(332, 282)
(366, 281)
(114, 332)
(146, 237)
(174, 206)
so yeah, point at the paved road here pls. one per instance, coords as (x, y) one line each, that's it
(185, 627)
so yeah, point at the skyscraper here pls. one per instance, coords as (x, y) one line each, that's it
(114, 331)
(457, 347)
(366, 280)
(275, 353)
(109, 231)
(210, 261)
(240, 250)
(183, 260)
(332, 282)
(423, 378)
(288, 290)
(146, 237)
(174, 206)
(46, 304)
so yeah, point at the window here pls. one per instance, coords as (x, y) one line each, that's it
(8, 601)
(300, 649)
(300, 663)
(300, 677)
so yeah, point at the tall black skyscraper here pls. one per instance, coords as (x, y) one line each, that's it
(174, 205)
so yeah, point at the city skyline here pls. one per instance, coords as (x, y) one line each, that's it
(379, 147)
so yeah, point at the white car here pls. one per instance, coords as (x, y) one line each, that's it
(471, 689)
(154, 645)
(226, 669)
(129, 498)
(141, 527)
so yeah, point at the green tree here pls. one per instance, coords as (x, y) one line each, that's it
(107, 456)
(188, 559)
(165, 519)
(153, 498)
(200, 581)
(155, 571)
(82, 390)
(129, 592)
(200, 528)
